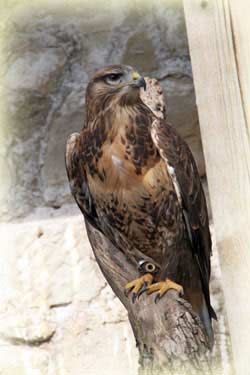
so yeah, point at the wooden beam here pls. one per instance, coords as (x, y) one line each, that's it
(219, 41)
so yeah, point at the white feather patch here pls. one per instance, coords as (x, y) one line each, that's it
(170, 169)
(117, 162)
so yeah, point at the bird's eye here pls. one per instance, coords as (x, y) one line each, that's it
(114, 79)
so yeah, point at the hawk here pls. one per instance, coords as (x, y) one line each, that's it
(136, 181)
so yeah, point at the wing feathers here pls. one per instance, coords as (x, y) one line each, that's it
(77, 179)
(185, 177)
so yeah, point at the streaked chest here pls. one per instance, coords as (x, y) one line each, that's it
(128, 173)
(127, 162)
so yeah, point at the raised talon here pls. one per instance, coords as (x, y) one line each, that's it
(137, 285)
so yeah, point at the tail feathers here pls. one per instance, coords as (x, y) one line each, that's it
(205, 317)
(212, 313)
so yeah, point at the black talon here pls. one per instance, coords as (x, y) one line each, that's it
(143, 289)
(157, 298)
(133, 297)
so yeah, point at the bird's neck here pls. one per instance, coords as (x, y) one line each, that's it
(129, 140)
(128, 120)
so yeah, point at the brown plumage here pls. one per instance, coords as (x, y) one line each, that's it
(135, 180)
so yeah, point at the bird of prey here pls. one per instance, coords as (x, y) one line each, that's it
(136, 181)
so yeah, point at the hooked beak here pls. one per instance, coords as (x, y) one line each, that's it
(139, 81)
(142, 83)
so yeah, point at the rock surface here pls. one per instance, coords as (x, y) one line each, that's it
(58, 315)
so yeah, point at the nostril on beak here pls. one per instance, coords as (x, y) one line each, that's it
(139, 81)
(142, 83)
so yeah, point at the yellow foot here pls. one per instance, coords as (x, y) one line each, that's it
(162, 287)
(138, 286)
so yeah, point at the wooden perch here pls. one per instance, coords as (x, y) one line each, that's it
(169, 335)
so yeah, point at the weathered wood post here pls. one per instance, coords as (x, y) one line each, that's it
(219, 41)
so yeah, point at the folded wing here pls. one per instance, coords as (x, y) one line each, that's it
(182, 168)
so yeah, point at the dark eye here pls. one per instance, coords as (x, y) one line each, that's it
(114, 79)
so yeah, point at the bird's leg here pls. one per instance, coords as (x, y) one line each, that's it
(139, 285)
(145, 283)
(162, 287)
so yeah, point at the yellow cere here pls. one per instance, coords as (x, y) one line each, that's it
(135, 76)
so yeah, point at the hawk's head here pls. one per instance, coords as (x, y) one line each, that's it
(114, 84)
